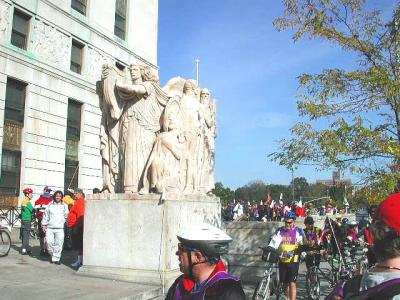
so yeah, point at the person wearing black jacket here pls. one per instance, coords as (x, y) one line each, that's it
(204, 273)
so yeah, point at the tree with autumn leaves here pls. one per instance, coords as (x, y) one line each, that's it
(361, 106)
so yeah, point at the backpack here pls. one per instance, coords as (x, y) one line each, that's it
(383, 291)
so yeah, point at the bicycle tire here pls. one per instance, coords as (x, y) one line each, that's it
(5, 243)
(313, 285)
(279, 289)
(263, 289)
(34, 234)
(280, 292)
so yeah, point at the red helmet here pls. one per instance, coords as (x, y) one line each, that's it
(27, 191)
(388, 211)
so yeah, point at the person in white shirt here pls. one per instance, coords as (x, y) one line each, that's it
(237, 211)
(53, 222)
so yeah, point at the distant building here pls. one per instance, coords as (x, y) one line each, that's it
(335, 180)
(51, 53)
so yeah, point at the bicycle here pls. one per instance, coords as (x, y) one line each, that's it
(34, 233)
(315, 273)
(269, 284)
(313, 285)
(5, 238)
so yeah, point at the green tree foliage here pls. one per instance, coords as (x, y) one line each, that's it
(224, 193)
(254, 191)
(300, 187)
(361, 106)
(275, 191)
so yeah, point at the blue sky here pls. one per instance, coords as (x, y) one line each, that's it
(251, 69)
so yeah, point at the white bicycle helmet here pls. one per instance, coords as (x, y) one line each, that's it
(352, 223)
(208, 239)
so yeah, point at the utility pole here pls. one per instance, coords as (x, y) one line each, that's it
(197, 72)
(292, 186)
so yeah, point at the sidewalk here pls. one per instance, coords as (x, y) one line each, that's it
(33, 277)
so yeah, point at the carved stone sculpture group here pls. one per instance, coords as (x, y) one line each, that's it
(154, 139)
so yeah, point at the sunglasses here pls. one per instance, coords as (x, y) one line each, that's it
(288, 222)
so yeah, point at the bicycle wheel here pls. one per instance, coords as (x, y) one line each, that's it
(5, 243)
(312, 284)
(263, 289)
(280, 292)
(362, 267)
(330, 278)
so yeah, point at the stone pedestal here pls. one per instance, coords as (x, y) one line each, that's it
(132, 237)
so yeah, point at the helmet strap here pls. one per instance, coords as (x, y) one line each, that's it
(192, 264)
(189, 254)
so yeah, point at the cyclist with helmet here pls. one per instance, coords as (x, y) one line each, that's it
(383, 280)
(287, 239)
(352, 233)
(312, 237)
(27, 211)
(204, 275)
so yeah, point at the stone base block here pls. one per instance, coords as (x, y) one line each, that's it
(244, 256)
(133, 237)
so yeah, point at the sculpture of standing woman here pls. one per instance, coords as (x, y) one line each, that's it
(144, 102)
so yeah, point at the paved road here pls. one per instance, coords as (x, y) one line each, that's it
(33, 277)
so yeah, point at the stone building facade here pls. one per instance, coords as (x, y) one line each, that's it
(51, 53)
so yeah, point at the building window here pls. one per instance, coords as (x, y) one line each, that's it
(15, 101)
(72, 144)
(10, 172)
(79, 5)
(120, 19)
(74, 120)
(71, 174)
(76, 57)
(13, 124)
(20, 29)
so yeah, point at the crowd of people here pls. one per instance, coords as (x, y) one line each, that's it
(59, 219)
(380, 235)
(268, 211)
(205, 277)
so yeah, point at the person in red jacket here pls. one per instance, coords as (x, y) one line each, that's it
(40, 206)
(75, 223)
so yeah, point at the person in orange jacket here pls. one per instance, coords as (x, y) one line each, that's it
(75, 223)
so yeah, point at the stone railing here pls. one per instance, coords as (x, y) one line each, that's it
(244, 256)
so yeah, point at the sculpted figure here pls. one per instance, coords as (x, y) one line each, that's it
(211, 135)
(153, 139)
(163, 170)
(190, 108)
(142, 103)
(139, 123)
(112, 109)
(207, 141)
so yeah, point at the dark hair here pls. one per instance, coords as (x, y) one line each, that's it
(78, 190)
(96, 191)
(309, 220)
(387, 241)
(57, 192)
